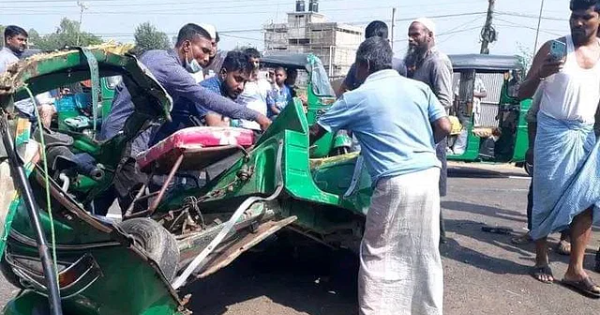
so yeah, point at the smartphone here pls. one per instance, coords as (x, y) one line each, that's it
(558, 50)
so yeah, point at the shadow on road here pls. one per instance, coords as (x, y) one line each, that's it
(455, 251)
(314, 280)
(472, 172)
(485, 210)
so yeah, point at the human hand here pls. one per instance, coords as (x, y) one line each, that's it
(550, 67)
(263, 121)
(46, 112)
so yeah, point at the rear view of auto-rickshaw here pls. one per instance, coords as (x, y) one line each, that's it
(492, 129)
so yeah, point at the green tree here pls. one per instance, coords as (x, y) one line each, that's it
(148, 37)
(66, 35)
(525, 56)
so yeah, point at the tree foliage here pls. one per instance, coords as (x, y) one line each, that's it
(148, 37)
(67, 35)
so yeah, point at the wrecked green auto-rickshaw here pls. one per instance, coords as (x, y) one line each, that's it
(220, 191)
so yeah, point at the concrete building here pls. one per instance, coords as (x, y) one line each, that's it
(309, 32)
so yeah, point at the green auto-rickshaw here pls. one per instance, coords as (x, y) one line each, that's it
(494, 130)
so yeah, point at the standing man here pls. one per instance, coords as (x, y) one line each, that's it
(479, 93)
(397, 122)
(565, 153)
(255, 92)
(425, 63)
(375, 28)
(15, 44)
(172, 70)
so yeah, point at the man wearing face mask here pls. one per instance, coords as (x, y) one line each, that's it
(172, 70)
(191, 52)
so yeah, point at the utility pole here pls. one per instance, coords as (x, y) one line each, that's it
(393, 26)
(83, 7)
(488, 33)
(537, 32)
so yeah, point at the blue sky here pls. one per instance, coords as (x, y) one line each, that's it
(240, 21)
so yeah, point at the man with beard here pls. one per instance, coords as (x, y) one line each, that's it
(425, 63)
(566, 154)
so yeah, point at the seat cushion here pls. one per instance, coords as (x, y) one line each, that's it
(193, 142)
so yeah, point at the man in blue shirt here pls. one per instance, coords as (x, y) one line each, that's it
(229, 82)
(172, 70)
(397, 122)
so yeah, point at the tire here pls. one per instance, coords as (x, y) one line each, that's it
(528, 169)
(156, 241)
(8, 273)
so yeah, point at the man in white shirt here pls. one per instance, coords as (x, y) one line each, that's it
(15, 44)
(255, 92)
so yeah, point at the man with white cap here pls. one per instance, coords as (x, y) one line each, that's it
(425, 63)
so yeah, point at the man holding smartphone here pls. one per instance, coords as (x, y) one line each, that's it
(566, 158)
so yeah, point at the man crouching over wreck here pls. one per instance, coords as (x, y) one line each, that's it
(397, 122)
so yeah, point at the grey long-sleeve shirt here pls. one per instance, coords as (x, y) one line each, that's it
(169, 72)
(436, 71)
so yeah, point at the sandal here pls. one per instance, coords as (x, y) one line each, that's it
(563, 248)
(539, 272)
(586, 287)
(521, 239)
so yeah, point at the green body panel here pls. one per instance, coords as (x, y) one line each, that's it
(513, 143)
(472, 151)
(76, 231)
(522, 137)
(112, 293)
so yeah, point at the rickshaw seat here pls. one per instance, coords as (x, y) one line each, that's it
(456, 126)
(483, 132)
(198, 147)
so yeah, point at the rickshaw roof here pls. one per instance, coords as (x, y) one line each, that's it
(46, 71)
(489, 63)
(290, 60)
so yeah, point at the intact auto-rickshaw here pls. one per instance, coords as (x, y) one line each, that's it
(500, 132)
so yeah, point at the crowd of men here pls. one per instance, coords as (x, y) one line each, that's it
(397, 110)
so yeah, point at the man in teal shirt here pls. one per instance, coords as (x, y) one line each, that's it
(397, 122)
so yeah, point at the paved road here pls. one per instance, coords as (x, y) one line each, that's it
(484, 273)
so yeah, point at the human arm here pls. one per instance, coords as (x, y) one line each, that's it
(438, 118)
(180, 83)
(481, 92)
(215, 120)
(349, 82)
(541, 67)
(339, 116)
(442, 82)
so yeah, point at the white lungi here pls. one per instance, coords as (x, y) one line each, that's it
(400, 263)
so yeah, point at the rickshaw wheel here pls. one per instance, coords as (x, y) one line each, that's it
(156, 241)
(528, 169)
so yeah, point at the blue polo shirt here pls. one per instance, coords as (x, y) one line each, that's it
(391, 117)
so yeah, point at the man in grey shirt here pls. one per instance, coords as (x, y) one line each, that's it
(425, 63)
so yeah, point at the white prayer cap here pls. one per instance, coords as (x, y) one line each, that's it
(212, 31)
(428, 23)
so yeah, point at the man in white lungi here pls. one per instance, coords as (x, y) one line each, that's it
(397, 122)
